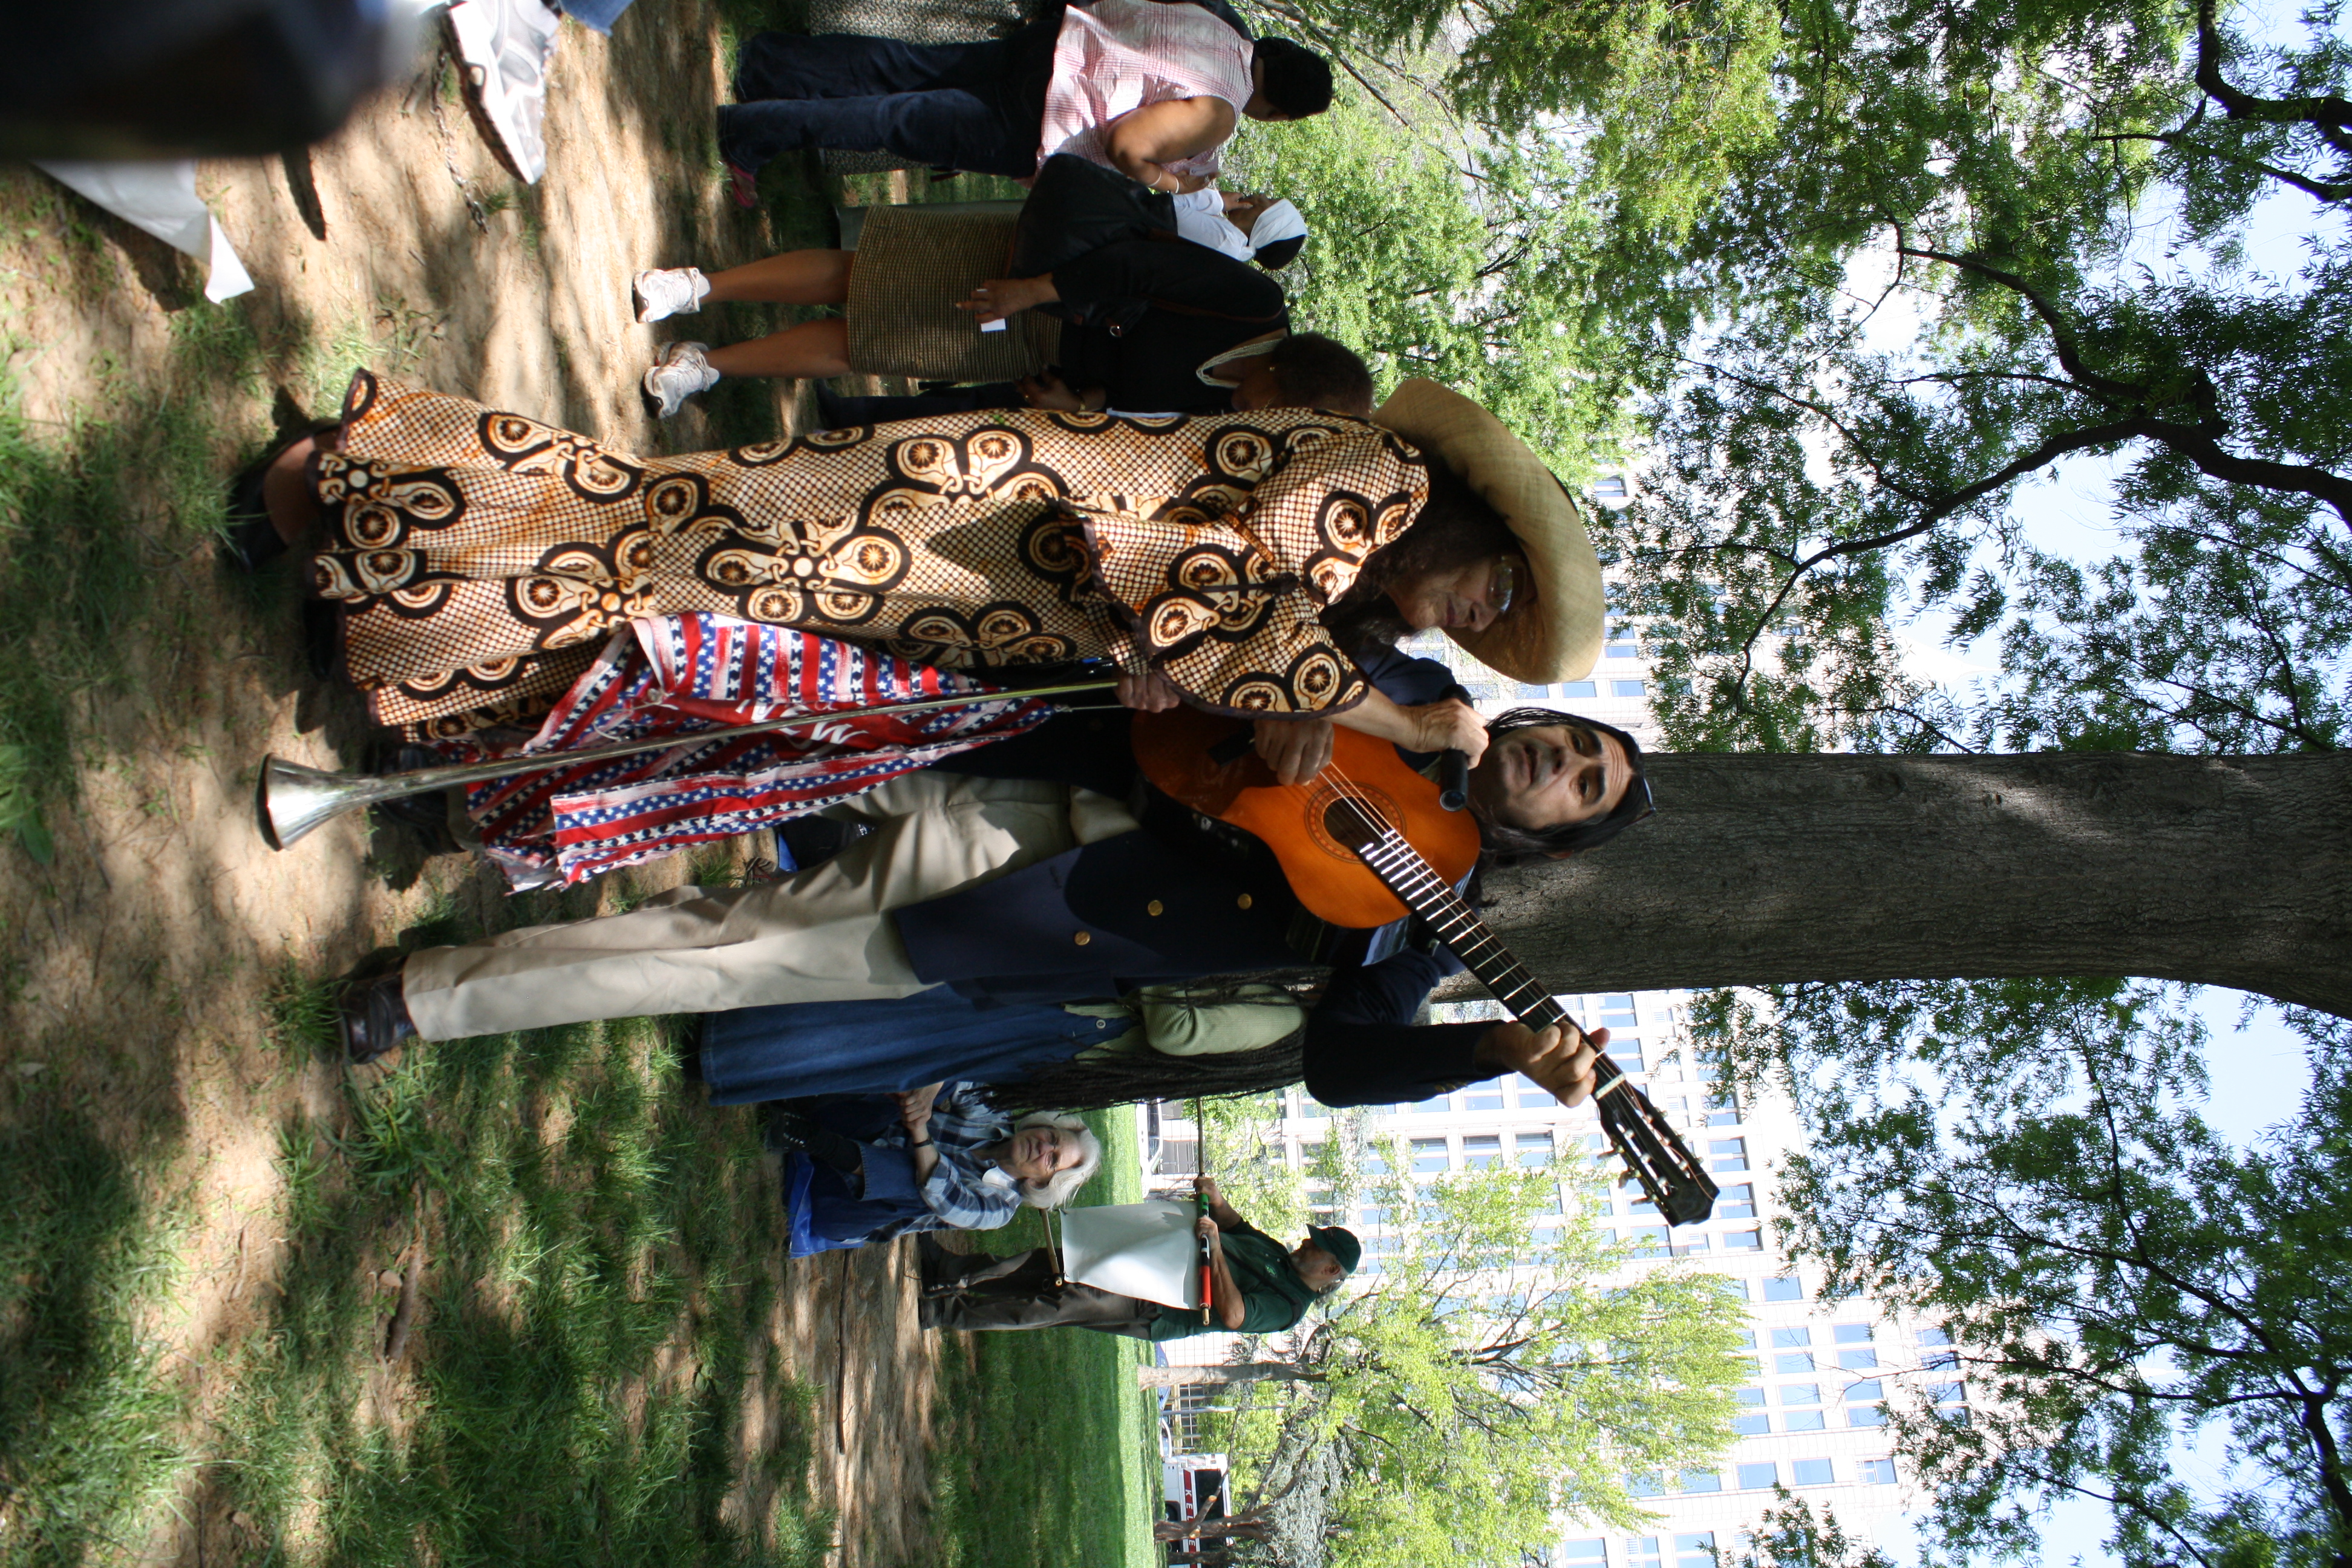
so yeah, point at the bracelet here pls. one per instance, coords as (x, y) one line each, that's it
(918, 1142)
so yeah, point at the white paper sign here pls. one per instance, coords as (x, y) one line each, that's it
(1145, 1250)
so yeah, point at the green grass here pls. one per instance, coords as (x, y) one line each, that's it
(88, 1425)
(594, 1319)
(1062, 1448)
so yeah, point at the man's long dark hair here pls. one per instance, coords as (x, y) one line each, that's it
(1502, 845)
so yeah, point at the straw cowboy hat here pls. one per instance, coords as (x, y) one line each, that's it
(1555, 633)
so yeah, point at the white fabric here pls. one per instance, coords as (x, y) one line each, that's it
(160, 198)
(1201, 218)
(1117, 56)
(1145, 1250)
(506, 44)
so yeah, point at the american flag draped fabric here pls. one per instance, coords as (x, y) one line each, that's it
(687, 674)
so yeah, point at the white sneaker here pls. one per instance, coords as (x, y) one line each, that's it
(506, 44)
(666, 292)
(678, 374)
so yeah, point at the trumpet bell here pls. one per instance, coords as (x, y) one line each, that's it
(292, 799)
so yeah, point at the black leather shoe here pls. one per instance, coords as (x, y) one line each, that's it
(372, 1018)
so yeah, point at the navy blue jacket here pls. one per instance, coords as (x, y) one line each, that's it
(1137, 909)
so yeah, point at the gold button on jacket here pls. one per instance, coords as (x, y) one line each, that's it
(1155, 907)
(1242, 902)
(1083, 938)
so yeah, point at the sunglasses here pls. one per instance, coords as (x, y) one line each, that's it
(1503, 585)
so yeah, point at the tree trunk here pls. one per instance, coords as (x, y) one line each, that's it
(1243, 1372)
(1763, 869)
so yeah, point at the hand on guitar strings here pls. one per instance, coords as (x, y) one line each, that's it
(1558, 1059)
(1296, 749)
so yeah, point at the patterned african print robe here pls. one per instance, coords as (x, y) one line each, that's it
(481, 558)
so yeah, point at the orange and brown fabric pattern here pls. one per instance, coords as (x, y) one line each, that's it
(482, 558)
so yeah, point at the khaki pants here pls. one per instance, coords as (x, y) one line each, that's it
(822, 935)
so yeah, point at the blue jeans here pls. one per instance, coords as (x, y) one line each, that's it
(952, 106)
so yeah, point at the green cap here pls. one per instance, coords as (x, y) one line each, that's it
(1340, 1244)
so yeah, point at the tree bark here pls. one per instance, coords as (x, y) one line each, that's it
(1243, 1372)
(1765, 869)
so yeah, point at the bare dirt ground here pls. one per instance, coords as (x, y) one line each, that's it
(136, 968)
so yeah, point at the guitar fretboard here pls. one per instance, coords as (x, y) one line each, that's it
(1669, 1172)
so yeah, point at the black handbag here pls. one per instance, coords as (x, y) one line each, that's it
(1077, 207)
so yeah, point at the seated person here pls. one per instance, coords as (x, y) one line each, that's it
(866, 1168)
(1257, 1285)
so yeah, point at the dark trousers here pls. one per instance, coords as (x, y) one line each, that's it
(838, 411)
(1019, 1292)
(952, 106)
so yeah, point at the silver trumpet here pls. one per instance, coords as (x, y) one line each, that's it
(293, 799)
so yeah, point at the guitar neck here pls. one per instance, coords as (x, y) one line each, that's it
(1670, 1175)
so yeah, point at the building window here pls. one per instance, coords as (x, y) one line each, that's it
(1803, 1421)
(1309, 1111)
(1743, 1241)
(1645, 1486)
(1620, 1018)
(1642, 1552)
(1609, 487)
(1749, 1396)
(1483, 1097)
(1430, 1154)
(1372, 1214)
(1793, 1364)
(1622, 650)
(1584, 1551)
(1858, 1360)
(1702, 1481)
(1629, 687)
(1437, 1105)
(1862, 1392)
(1754, 1426)
(1852, 1334)
(1533, 1149)
(1948, 1394)
(1735, 1289)
(1538, 692)
(1784, 1288)
(1790, 1339)
(1480, 1154)
(1736, 1202)
(1696, 1549)
(1626, 1054)
(1759, 1478)
(1866, 1415)
(1580, 688)
(1811, 1473)
(1649, 1241)
(1801, 1393)
(1878, 1472)
(1728, 1154)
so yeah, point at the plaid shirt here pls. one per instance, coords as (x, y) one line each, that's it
(967, 1190)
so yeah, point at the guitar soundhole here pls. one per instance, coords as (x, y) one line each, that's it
(1356, 818)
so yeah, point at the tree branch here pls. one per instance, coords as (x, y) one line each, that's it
(2327, 115)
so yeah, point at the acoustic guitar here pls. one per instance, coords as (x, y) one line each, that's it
(1373, 842)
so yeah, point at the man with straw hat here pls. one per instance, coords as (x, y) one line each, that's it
(1022, 877)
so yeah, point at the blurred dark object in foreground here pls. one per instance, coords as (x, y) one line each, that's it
(177, 78)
